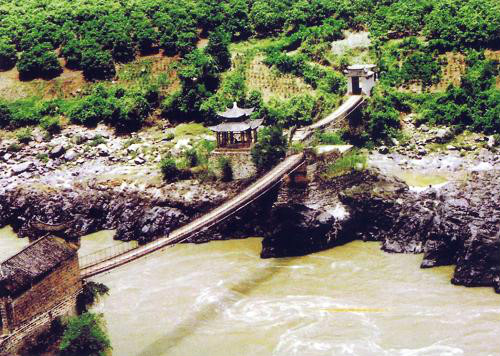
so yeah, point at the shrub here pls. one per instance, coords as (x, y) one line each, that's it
(91, 292)
(132, 110)
(51, 124)
(24, 135)
(44, 341)
(226, 169)
(5, 115)
(169, 169)
(381, 118)
(191, 157)
(40, 61)
(353, 160)
(270, 148)
(93, 109)
(14, 147)
(333, 82)
(85, 335)
(421, 66)
(72, 53)
(218, 48)
(97, 140)
(330, 138)
(44, 157)
(8, 55)
(97, 64)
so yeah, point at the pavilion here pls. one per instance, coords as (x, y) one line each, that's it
(236, 131)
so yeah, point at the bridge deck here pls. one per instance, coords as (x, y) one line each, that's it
(254, 191)
(343, 110)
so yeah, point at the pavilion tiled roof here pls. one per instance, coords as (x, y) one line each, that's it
(237, 126)
(235, 112)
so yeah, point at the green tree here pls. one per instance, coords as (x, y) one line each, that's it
(226, 169)
(169, 169)
(85, 335)
(8, 55)
(122, 48)
(270, 148)
(40, 61)
(5, 115)
(382, 120)
(72, 53)
(97, 64)
(145, 35)
(218, 48)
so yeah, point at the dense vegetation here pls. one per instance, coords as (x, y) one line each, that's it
(85, 335)
(408, 40)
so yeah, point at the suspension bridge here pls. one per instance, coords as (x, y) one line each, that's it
(108, 259)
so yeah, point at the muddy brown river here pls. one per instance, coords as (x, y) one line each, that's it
(221, 299)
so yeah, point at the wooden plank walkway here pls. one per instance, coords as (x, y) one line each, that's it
(343, 110)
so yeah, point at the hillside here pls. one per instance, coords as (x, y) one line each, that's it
(189, 59)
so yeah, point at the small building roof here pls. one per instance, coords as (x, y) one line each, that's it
(235, 112)
(237, 126)
(363, 70)
(33, 263)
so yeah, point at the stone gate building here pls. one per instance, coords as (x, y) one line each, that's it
(37, 285)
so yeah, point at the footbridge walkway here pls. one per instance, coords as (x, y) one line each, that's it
(246, 197)
(108, 259)
(344, 110)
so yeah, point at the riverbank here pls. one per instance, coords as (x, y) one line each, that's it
(453, 219)
(102, 181)
(442, 204)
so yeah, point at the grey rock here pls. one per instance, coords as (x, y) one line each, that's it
(22, 167)
(57, 151)
(444, 135)
(103, 150)
(422, 151)
(383, 149)
(133, 148)
(70, 155)
(492, 142)
(139, 160)
(7, 156)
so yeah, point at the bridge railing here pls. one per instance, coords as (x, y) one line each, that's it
(105, 254)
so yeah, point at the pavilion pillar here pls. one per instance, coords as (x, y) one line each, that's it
(231, 138)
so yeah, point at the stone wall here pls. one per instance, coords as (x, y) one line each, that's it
(241, 161)
(10, 344)
(46, 294)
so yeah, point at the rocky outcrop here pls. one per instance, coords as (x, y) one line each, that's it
(142, 215)
(459, 224)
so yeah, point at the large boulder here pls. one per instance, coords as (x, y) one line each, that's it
(57, 151)
(22, 167)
